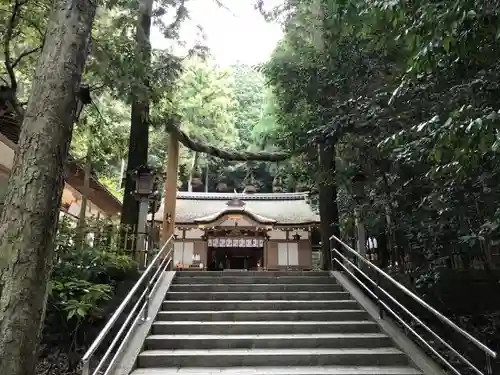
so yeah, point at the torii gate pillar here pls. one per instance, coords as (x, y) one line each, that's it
(170, 193)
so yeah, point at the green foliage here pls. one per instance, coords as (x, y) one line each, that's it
(407, 93)
(223, 107)
(420, 122)
(249, 92)
(20, 49)
(78, 299)
(99, 263)
(115, 64)
(205, 102)
(229, 108)
(83, 284)
(114, 71)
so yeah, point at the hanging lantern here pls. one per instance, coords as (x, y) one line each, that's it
(144, 181)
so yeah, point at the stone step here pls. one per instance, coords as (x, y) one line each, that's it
(263, 315)
(270, 357)
(309, 370)
(323, 340)
(257, 296)
(252, 280)
(252, 273)
(258, 305)
(268, 327)
(331, 287)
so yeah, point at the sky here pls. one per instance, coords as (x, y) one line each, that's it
(238, 33)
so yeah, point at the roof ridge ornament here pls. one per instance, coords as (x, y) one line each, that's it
(235, 202)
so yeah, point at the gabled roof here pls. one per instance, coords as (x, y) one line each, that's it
(99, 194)
(10, 127)
(266, 208)
(228, 211)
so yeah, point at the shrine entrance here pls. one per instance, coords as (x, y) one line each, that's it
(235, 254)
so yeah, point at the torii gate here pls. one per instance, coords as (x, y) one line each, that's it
(170, 187)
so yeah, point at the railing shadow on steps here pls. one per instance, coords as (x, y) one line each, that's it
(358, 268)
(136, 303)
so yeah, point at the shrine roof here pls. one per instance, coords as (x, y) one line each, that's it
(277, 208)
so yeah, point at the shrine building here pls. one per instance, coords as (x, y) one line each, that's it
(247, 231)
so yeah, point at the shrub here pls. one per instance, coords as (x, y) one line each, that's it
(83, 284)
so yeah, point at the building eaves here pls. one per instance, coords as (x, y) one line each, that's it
(11, 129)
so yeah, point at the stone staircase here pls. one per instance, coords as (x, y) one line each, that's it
(269, 323)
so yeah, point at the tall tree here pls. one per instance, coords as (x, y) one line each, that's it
(151, 81)
(249, 91)
(204, 101)
(139, 122)
(102, 139)
(31, 209)
(301, 73)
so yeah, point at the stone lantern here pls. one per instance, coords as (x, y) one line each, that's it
(277, 184)
(249, 182)
(196, 181)
(221, 183)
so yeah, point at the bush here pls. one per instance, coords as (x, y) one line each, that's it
(88, 266)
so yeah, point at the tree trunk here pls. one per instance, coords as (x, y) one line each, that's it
(382, 248)
(139, 127)
(29, 220)
(194, 168)
(389, 224)
(122, 171)
(328, 208)
(206, 178)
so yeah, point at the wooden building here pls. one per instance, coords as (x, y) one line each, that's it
(101, 202)
(243, 230)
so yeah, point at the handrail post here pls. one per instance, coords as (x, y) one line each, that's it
(170, 253)
(332, 258)
(86, 367)
(489, 367)
(379, 300)
(145, 313)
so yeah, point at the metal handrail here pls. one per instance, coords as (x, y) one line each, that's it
(139, 311)
(490, 354)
